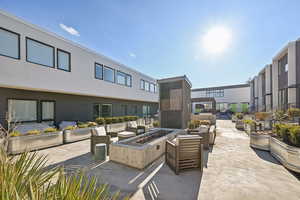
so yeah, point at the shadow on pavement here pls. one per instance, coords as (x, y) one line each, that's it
(265, 155)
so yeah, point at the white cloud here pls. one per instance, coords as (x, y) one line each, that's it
(69, 29)
(132, 55)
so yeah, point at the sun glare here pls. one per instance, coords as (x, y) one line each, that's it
(217, 39)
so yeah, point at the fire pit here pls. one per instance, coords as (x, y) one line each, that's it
(142, 150)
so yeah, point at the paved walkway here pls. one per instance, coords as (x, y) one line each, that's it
(233, 171)
(236, 171)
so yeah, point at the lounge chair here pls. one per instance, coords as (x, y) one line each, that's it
(184, 152)
(133, 127)
(99, 136)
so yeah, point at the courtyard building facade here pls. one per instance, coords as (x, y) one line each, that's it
(276, 87)
(233, 98)
(47, 78)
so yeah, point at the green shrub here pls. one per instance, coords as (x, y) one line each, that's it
(33, 132)
(294, 136)
(249, 121)
(115, 120)
(108, 120)
(50, 130)
(133, 118)
(156, 124)
(239, 115)
(14, 134)
(70, 128)
(192, 125)
(280, 116)
(82, 125)
(204, 122)
(92, 124)
(100, 120)
(293, 112)
(126, 118)
(121, 119)
(276, 129)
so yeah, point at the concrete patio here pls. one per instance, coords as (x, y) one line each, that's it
(233, 171)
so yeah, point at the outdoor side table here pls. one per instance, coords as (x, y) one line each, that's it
(100, 152)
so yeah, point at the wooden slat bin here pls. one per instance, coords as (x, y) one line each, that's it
(184, 152)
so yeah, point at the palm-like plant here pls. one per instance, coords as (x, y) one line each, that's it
(25, 177)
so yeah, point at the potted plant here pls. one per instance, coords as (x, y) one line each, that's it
(249, 126)
(239, 122)
(33, 140)
(76, 133)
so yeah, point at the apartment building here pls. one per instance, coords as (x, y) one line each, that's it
(276, 87)
(235, 98)
(47, 78)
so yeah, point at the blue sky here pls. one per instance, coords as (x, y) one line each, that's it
(162, 38)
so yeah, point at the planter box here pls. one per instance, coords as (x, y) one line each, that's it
(289, 156)
(212, 135)
(24, 143)
(115, 128)
(249, 128)
(239, 124)
(260, 141)
(77, 134)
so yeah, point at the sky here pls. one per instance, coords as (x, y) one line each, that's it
(164, 38)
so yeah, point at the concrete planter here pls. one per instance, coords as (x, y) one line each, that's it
(115, 128)
(249, 128)
(24, 143)
(239, 124)
(289, 156)
(212, 135)
(76, 135)
(260, 141)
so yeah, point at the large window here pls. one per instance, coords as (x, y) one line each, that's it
(63, 60)
(48, 110)
(22, 110)
(9, 44)
(147, 86)
(39, 53)
(121, 78)
(98, 71)
(152, 87)
(102, 110)
(108, 74)
(215, 93)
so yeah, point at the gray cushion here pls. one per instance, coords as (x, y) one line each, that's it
(99, 131)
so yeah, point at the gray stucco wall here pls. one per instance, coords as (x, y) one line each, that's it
(71, 107)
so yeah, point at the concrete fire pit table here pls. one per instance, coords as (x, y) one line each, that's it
(125, 135)
(140, 151)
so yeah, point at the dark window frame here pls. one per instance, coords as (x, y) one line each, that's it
(28, 38)
(142, 88)
(118, 71)
(95, 66)
(114, 75)
(128, 75)
(41, 110)
(19, 46)
(61, 50)
(37, 109)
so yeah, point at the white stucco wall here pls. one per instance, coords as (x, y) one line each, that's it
(24, 75)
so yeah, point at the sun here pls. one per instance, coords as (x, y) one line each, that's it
(217, 39)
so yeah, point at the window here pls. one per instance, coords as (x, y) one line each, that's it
(147, 86)
(286, 67)
(48, 108)
(155, 88)
(39, 53)
(152, 87)
(215, 93)
(106, 110)
(102, 110)
(22, 110)
(146, 111)
(63, 60)
(128, 80)
(142, 85)
(121, 78)
(108, 74)
(98, 71)
(124, 110)
(9, 44)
